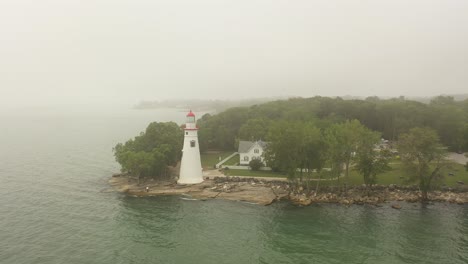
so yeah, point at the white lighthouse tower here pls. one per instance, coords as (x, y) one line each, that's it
(190, 166)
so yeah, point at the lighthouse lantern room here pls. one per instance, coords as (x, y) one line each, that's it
(190, 166)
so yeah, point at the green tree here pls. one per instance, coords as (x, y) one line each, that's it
(443, 100)
(283, 150)
(149, 153)
(220, 131)
(254, 129)
(370, 161)
(466, 164)
(295, 148)
(138, 163)
(423, 156)
(342, 141)
(464, 138)
(448, 119)
(312, 152)
(255, 164)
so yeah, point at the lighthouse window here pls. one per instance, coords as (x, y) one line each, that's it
(256, 151)
(190, 119)
(192, 143)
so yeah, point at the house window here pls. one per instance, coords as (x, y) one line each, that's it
(186, 133)
(192, 143)
(256, 151)
(246, 158)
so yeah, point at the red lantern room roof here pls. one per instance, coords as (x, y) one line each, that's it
(190, 113)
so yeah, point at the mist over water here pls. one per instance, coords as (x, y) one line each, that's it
(56, 158)
(56, 207)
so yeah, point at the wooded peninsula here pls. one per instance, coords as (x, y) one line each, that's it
(319, 143)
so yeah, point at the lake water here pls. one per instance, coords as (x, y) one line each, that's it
(55, 208)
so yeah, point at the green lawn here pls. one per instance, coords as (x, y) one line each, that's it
(209, 159)
(398, 176)
(232, 161)
(395, 176)
(254, 173)
(386, 178)
(459, 174)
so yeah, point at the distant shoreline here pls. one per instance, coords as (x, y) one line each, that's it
(200, 105)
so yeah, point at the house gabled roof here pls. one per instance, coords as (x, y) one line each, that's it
(245, 146)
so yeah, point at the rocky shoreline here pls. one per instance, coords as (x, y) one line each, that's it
(265, 192)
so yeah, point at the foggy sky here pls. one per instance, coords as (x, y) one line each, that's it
(73, 51)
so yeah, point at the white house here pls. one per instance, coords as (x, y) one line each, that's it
(249, 150)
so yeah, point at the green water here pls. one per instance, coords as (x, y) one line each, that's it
(55, 207)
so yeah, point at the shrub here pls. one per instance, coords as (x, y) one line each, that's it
(256, 164)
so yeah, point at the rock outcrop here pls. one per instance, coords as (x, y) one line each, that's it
(265, 192)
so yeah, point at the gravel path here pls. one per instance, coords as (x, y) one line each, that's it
(215, 173)
(458, 158)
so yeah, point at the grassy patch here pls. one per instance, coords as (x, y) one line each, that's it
(394, 176)
(397, 175)
(209, 159)
(459, 174)
(232, 161)
(254, 173)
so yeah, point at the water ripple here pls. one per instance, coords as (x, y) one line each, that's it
(53, 210)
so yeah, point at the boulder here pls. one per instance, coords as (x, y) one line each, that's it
(345, 202)
(304, 201)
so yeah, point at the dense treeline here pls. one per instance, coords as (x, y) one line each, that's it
(328, 137)
(391, 117)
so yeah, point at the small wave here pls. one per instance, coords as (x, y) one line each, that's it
(107, 190)
(188, 199)
(248, 202)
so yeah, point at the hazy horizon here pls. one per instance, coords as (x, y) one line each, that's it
(122, 52)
